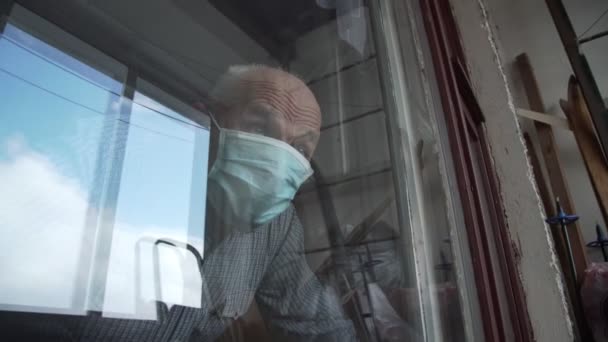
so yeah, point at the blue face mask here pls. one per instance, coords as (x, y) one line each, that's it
(254, 178)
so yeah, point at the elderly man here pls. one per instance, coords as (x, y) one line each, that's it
(265, 128)
(268, 125)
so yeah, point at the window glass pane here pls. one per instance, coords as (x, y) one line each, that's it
(89, 164)
(248, 176)
(162, 188)
(50, 144)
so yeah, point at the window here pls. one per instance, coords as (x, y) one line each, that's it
(82, 163)
(501, 309)
(48, 164)
(223, 170)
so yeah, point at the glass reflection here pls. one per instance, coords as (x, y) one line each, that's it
(81, 189)
(279, 220)
(160, 195)
(48, 168)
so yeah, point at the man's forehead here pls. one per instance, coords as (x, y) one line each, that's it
(285, 93)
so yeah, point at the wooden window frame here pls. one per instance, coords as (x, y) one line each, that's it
(466, 131)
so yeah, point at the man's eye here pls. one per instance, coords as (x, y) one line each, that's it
(303, 150)
(257, 130)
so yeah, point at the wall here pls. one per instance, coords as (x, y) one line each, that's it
(526, 26)
(530, 236)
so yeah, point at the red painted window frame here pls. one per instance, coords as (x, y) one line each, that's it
(466, 131)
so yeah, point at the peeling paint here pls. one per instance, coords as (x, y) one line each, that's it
(554, 261)
(537, 264)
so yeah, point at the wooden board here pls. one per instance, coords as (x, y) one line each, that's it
(551, 120)
(560, 189)
(555, 172)
(580, 120)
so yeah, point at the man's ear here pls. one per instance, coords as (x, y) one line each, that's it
(213, 145)
(210, 104)
(202, 111)
(200, 106)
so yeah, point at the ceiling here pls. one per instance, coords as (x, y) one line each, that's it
(275, 24)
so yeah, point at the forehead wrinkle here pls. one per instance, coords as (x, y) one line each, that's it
(271, 88)
(309, 118)
(284, 101)
(290, 110)
(308, 121)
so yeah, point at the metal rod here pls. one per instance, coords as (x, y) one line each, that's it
(593, 37)
(444, 267)
(600, 241)
(561, 217)
(564, 219)
(332, 224)
(369, 298)
(570, 258)
(324, 249)
(370, 263)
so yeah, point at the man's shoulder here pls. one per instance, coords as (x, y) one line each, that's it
(286, 216)
(285, 224)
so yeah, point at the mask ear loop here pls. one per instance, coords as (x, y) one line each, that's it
(214, 121)
(220, 141)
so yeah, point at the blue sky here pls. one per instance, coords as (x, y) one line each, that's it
(53, 112)
(159, 152)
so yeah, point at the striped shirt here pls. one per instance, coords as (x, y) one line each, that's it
(265, 264)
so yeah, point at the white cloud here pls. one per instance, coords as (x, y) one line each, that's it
(41, 221)
(177, 269)
(42, 224)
